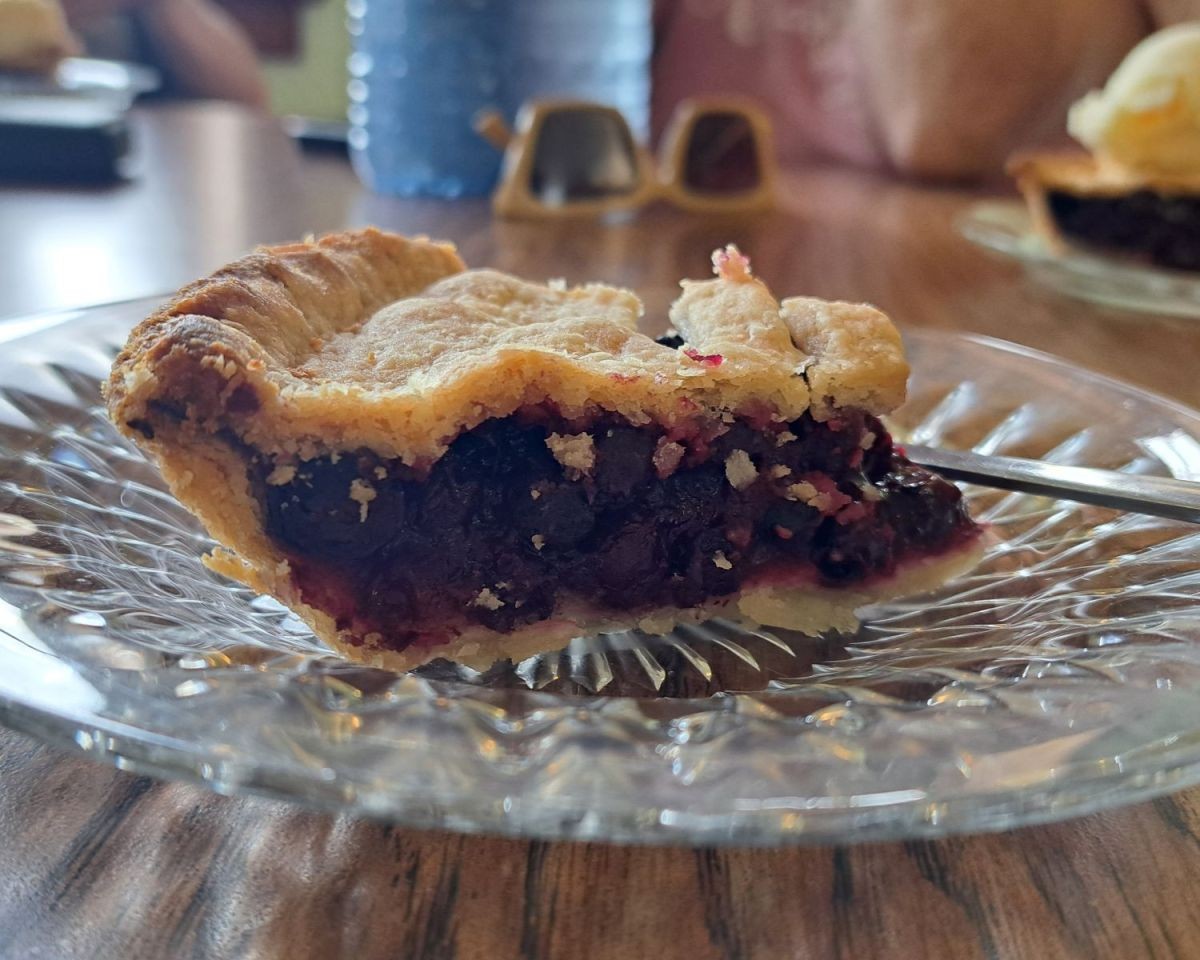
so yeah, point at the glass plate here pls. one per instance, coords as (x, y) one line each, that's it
(1061, 676)
(1005, 228)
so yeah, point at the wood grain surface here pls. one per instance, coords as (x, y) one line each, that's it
(96, 863)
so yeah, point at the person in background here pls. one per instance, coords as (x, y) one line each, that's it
(196, 46)
(937, 89)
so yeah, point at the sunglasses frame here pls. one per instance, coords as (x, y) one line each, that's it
(661, 181)
(673, 156)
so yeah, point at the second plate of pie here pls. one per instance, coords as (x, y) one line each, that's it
(1005, 227)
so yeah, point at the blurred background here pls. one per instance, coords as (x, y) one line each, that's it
(145, 142)
(934, 89)
(306, 73)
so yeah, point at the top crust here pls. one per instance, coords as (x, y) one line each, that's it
(367, 339)
(1074, 171)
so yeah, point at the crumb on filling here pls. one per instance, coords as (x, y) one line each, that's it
(523, 512)
(1161, 228)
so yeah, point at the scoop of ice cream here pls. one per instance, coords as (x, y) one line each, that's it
(1147, 117)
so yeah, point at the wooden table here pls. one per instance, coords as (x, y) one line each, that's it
(99, 864)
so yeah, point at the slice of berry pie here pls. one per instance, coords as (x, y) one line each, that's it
(426, 461)
(1135, 192)
(1075, 199)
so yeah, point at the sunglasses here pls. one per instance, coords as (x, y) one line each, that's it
(570, 157)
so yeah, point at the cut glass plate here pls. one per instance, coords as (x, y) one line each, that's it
(1005, 228)
(1060, 677)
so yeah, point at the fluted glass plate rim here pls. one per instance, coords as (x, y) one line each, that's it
(779, 825)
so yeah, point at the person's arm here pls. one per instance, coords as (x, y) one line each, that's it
(955, 85)
(204, 50)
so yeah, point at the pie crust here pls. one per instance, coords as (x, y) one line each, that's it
(365, 340)
(1081, 174)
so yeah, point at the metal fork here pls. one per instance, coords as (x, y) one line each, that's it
(1156, 496)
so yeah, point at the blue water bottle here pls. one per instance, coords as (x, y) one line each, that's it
(419, 72)
(584, 49)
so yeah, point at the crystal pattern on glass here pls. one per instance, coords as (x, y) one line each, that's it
(1063, 675)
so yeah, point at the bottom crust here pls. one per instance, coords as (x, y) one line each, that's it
(803, 607)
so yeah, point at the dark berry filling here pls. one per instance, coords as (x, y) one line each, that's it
(1161, 228)
(499, 531)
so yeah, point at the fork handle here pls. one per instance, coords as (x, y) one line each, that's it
(1156, 496)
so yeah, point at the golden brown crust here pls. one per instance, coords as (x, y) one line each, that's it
(366, 339)
(256, 323)
(856, 358)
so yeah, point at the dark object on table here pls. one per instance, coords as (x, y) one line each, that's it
(86, 76)
(319, 136)
(62, 139)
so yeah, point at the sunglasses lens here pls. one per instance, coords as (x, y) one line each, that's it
(722, 155)
(582, 155)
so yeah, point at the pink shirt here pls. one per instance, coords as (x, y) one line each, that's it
(793, 56)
